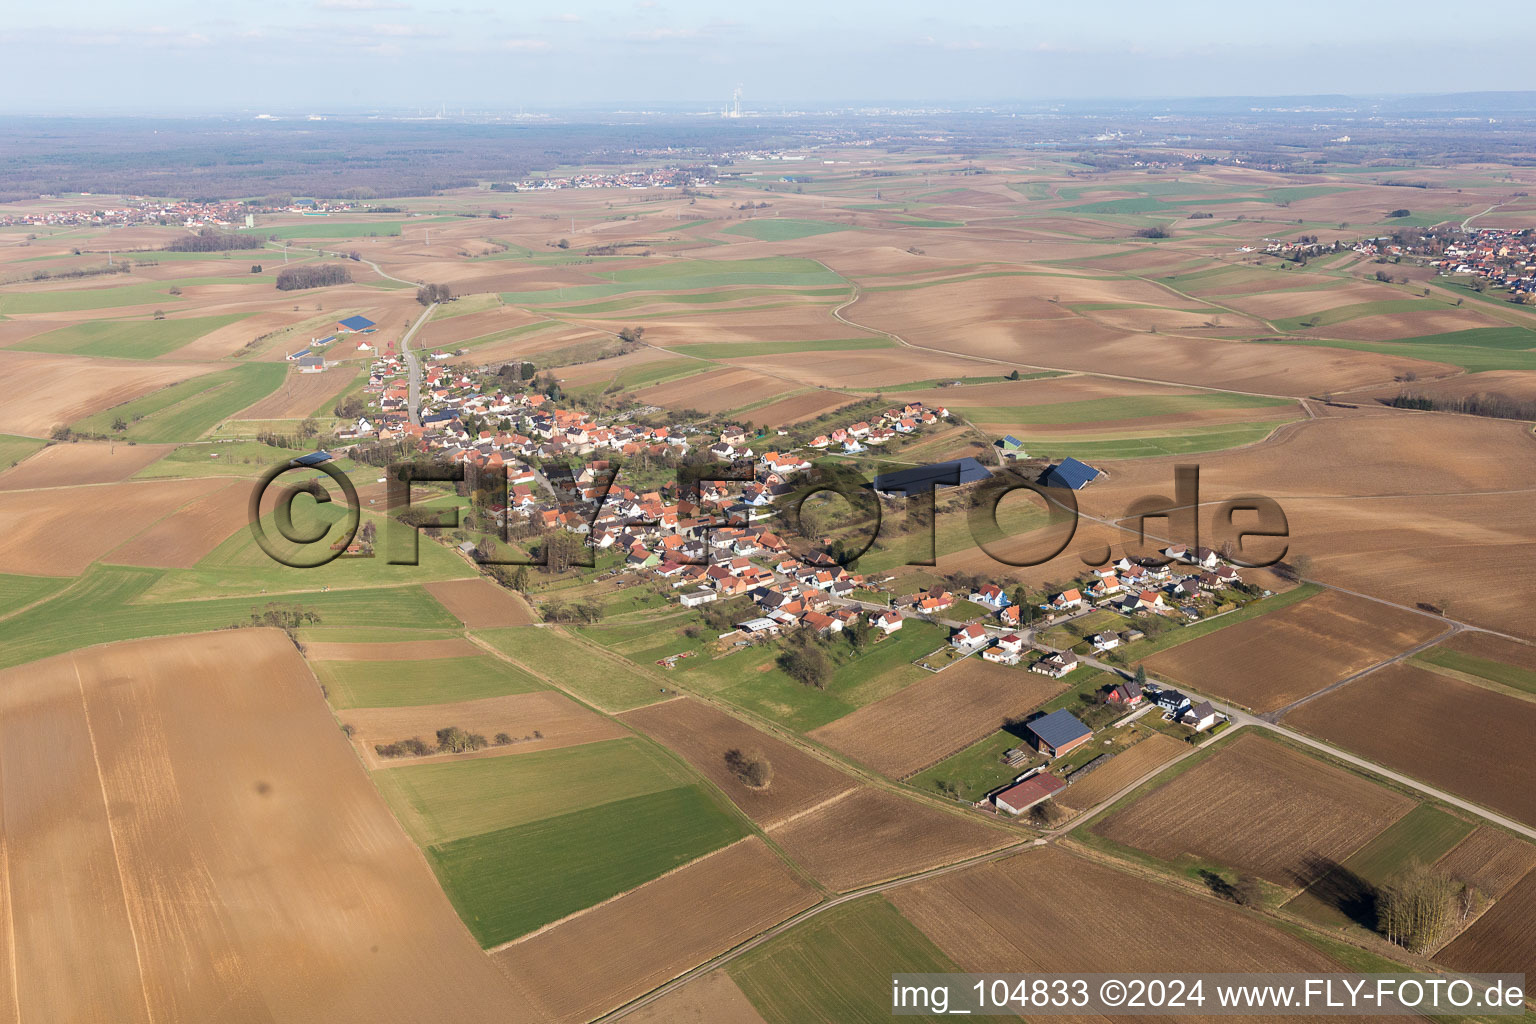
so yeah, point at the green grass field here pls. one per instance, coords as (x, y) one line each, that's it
(688, 275)
(325, 227)
(976, 770)
(1472, 358)
(1107, 410)
(186, 411)
(508, 882)
(450, 800)
(781, 229)
(392, 684)
(107, 604)
(728, 350)
(235, 458)
(750, 679)
(142, 294)
(478, 303)
(1483, 668)
(128, 339)
(1423, 836)
(1200, 439)
(577, 667)
(20, 591)
(837, 966)
(1353, 311)
(14, 449)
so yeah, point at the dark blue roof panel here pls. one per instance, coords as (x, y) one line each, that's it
(1059, 728)
(941, 474)
(357, 323)
(1069, 473)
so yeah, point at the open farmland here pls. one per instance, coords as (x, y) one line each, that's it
(1122, 770)
(186, 536)
(579, 668)
(1491, 859)
(388, 684)
(405, 650)
(481, 604)
(222, 742)
(300, 395)
(541, 720)
(1046, 910)
(510, 881)
(716, 391)
(1481, 656)
(931, 719)
(84, 462)
(836, 966)
(870, 835)
(711, 999)
(604, 957)
(1463, 738)
(703, 735)
(1298, 812)
(1503, 939)
(1268, 662)
(47, 391)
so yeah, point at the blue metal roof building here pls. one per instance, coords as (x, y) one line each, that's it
(1059, 732)
(356, 324)
(1069, 473)
(312, 459)
(941, 474)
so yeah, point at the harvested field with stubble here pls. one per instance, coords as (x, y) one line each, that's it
(1046, 910)
(1503, 939)
(1460, 737)
(931, 719)
(182, 812)
(559, 721)
(1295, 810)
(711, 999)
(1122, 770)
(703, 735)
(601, 958)
(301, 395)
(34, 545)
(716, 391)
(1266, 663)
(481, 604)
(83, 462)
(872, 835)
(1491, 859)
(45, 390)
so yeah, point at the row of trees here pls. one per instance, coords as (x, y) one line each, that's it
(430, 293)
(213, 240)
(450, 740)
(318, 275)
(1498, 406)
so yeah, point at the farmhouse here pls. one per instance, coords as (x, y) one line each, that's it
(1126, 694)
(887, 621)
(1020, 797)
(1055, 665)
(1059, 733)
(991, 595)
(1070, 474)
(1106, 641)
(1200, 717)
(1067, 599)
(1171, 701)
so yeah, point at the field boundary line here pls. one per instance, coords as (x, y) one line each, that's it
(117, 860)
(853, 787)
(10, 913)
(1279, 713)
(616, 896)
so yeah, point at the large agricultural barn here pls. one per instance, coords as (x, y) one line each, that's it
(1069, 473)
(1059, 733)
(941, 474)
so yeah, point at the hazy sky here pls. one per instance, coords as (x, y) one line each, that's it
(166, 55)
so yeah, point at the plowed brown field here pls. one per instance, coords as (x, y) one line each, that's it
(188, 838)
(1463, 738)
(481, 604)
(703, 734)
(931, 719)
(601, 958)
(1293, 808)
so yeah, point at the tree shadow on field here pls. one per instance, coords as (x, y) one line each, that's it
(1335, 885)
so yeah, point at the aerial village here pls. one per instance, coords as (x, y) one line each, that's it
(721, 546)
